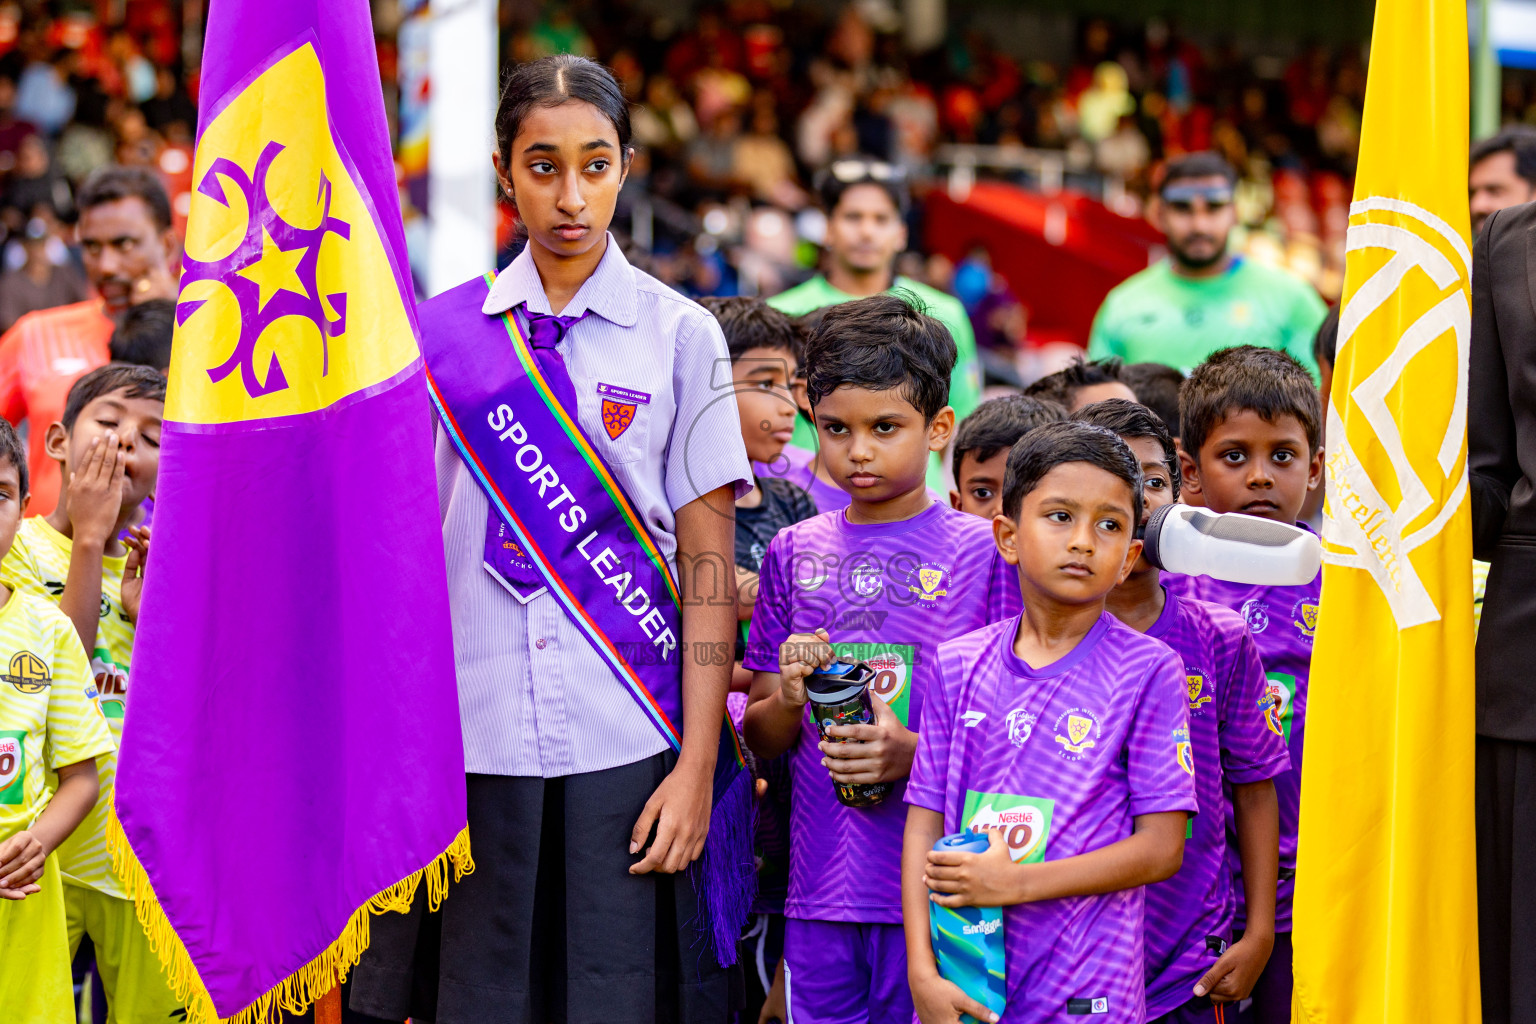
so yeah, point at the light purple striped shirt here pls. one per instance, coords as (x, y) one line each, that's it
(535, 699)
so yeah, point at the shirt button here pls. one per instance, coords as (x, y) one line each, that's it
(541, 643)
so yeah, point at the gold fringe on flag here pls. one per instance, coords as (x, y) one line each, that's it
(295, 994)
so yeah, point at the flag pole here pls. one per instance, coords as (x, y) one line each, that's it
(328, 1007)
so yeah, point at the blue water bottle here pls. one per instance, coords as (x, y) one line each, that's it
(968, 941)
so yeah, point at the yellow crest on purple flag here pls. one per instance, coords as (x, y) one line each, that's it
(289, 302)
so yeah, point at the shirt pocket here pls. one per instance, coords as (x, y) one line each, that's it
(618, 420)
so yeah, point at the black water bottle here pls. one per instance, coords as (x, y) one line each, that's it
(839, 695)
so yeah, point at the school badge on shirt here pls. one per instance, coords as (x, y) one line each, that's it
(1304, 618)
(929, 582)
(1081, 725)
(619, 407)
(1197, 697)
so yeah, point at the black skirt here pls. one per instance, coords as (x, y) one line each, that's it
(551, 928)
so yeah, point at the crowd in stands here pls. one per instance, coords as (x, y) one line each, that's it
(739, 109)
(78, 93)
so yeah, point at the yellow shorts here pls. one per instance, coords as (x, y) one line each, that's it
(35, 986)
(137, 991)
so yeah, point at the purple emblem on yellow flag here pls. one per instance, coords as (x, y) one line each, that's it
(293, 760)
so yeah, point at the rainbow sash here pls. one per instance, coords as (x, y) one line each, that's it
(593, 552)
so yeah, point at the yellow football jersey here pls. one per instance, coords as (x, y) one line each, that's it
(48, 711)
(38, 563)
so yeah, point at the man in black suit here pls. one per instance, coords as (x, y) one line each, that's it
(1502, 460)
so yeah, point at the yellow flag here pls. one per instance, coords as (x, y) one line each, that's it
(1385, 911)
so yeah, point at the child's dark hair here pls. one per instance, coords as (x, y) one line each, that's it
(1263, 380)
(751, 323)
(144, 336)
(1061, 386)
(1157, 387)
(551, 81)
(998, 423)
(881, 343)
(1132, 420)
(1055, 444)
(1326, 342)
(14, 452)
(137, 381)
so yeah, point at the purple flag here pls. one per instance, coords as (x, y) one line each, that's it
(292, 761)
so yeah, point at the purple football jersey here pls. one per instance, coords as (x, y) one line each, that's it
(1063, 759)
(888, 594)
(1283, 621)
(1189, 917)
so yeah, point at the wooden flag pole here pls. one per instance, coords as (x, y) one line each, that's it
(328, 1007)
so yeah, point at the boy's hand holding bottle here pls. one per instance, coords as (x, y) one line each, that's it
(799, 656)
(988, 879)
(865, 754)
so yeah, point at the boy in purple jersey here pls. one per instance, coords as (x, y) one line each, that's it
(1194, 969)
(1063, 733)
(1252, 443)
(884, 581)
(981, 447)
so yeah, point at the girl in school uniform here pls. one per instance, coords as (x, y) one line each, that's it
(588, 449)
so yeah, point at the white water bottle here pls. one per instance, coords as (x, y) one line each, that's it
(1232, 547)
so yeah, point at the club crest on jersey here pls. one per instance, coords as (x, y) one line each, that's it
(1197, 696)
(1304, 618)
(27, 672)
(1020, 724)
(1075, 731)
(928, 582)
(1182, 750)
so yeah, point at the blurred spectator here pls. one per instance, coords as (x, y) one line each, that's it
(665, 122)
(40, 282)
(1204, 297)
(170, 104)
(1501, 172)
(34, 183)
(43, 95)
(12, 130)
(556, 31)
(711, 156)
(762, 161)
(128, 248)
(865, 202)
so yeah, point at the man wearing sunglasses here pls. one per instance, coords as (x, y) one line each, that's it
(1203, 297)
(866, 202)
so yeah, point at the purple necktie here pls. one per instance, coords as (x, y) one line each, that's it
(503, 555)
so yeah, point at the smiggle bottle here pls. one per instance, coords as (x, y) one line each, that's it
(839, 695)
(968, 941)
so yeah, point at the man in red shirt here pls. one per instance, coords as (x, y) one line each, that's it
(128, 247)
